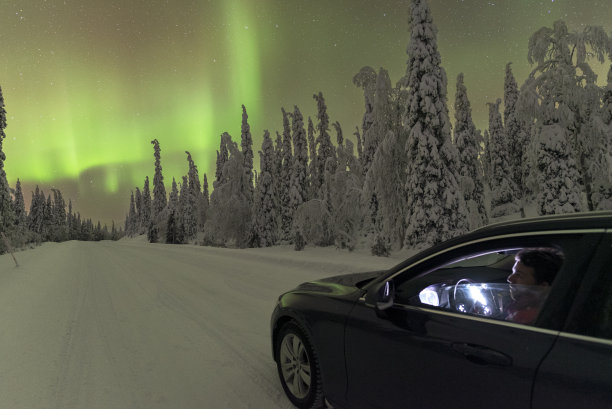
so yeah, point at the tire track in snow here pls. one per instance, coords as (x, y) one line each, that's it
(69, 342)
(246, 358)
(103, 302)
(249, 359)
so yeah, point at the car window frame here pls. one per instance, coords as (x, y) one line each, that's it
(556, 308)
(579, 317)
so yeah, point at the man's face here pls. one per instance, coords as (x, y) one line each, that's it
(522, 274)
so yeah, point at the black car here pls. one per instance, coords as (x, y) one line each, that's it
(439, 330)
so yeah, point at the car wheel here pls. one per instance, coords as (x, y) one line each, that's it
(298, 367)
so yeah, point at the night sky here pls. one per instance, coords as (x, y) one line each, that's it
(88, 84)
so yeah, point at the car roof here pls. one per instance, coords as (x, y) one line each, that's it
(573, 221)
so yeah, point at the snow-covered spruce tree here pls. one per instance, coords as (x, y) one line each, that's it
(205, 193)
(132, 226)
(386, 170)
(286, 211)
(203, 205)
(503, 189)
(35, 216)
(560, 191)
(152, 233)
(313, 178)
(138, 220)
(560, 88)
(185, 217)
(19, 206)
(195, 188)
(222, 157)
(145, 216)
(606, 99)
(78, 226)
(115, 233)
(342, 193)
(69, 219)
(436, 209)
(247, 151)
(592, 141)
(265, 209)
(7, 215)
(73, 227)
(399, 106)
(229, 210)
(350, 160)
(516, 135)
(468, 139)
(312, 221)
(193, 200)
(511, 93)
(328, 224)
(382, 106)
(172, 207)
(59, 208)
(341, 154)
(339, 136)
(366, 79)
(47, 218)
(174, 229)
(98, 232)
(173, 198)
(278, 166)
(530, 176)
(59, 230)
(299, 169)
(86, 232)
(374, 136)
(326, 149)
(359, 146)
(159, 190)
(485, 158)
(602, 196)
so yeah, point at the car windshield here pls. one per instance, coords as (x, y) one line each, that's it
(168, 168)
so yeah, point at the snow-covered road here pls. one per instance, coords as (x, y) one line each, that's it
(135, 325)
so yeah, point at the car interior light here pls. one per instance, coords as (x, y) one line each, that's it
(429, 297)
(476, 295)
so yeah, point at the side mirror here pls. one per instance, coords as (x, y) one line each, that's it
(381, 297)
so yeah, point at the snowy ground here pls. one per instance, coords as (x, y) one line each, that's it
(135, 325)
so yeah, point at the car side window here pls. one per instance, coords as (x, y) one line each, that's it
(595, 306)
(505, 284)
(603, 323)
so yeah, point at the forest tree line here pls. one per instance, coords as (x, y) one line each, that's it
(415, 179)
(412, 180)
(48, 218)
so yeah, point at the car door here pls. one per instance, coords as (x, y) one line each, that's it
(577, 373)
(421, 356)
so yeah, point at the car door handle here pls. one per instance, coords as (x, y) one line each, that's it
(481, 355)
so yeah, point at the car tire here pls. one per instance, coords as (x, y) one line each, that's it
(298, 367)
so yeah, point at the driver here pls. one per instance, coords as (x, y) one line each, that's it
(532, 274)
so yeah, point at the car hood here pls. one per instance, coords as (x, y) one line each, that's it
(344, 283)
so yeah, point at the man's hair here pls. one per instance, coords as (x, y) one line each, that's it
(545, 262)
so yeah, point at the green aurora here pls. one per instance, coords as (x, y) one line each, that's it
(89, 84)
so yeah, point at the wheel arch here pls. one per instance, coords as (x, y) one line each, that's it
(281, 321)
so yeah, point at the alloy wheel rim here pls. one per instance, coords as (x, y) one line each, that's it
(295, 366)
